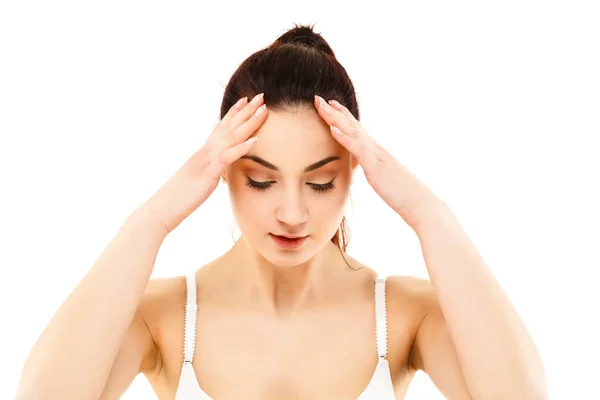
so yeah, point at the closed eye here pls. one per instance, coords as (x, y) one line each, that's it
(317, 187)
(261, 186)
(322, 187)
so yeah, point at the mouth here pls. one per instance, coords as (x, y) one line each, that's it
(288, 242)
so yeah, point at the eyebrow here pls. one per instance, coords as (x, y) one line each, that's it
(311, 167)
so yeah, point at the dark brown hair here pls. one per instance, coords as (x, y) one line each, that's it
(290, 72)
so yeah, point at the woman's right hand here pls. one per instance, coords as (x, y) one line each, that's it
(194, 182)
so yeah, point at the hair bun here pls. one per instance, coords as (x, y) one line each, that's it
(305, 36)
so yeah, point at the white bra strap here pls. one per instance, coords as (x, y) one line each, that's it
(191, 307)
(380, 317)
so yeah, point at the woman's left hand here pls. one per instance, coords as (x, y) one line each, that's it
(393, 182)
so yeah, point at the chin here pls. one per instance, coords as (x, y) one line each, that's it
(287, 259)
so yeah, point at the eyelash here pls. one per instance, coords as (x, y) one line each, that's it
(262, 186)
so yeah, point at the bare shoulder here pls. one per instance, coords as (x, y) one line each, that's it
(408, 299)
(161, 297)
(159, 303)
(160, 293)
(418, 291)
(411, 295)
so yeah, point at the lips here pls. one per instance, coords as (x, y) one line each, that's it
(288, 242)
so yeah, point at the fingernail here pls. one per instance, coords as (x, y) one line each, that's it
(324, 106)
(335, 104)
(336, 131)
(257, 98)
(260, 110)
(241, 102)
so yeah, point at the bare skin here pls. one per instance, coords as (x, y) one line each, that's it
(277, 323)
(272, 323)
(324, 348)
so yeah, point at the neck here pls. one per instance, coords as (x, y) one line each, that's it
(282, 290)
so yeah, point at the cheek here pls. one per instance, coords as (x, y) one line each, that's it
(331, 206)
(250, 208)
(242, 197)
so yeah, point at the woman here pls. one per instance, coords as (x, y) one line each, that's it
(286, 313)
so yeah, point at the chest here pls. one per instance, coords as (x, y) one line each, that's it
(330, 352)
(323, 355)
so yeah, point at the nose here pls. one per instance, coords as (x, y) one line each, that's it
(292, 210)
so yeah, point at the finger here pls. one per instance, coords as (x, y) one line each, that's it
(246, 129)
(361, 149)
(225, 134)
(338, 106)
(337, 118)
(235, 109)
(232, 154)
(246, 112)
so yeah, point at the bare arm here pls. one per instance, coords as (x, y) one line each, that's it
(73, 357)
(472, 336)
(97, 341)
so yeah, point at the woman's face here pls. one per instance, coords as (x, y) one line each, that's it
(295, 182)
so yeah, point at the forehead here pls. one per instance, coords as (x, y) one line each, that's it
(297, 137)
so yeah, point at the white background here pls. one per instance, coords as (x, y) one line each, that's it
(495, 105)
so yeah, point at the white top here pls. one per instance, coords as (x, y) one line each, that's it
(379, 388)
